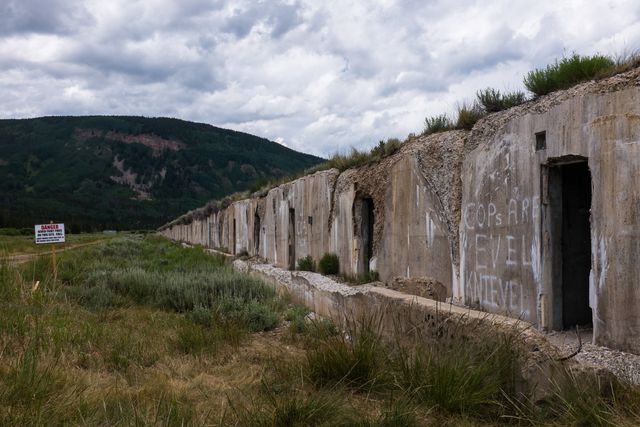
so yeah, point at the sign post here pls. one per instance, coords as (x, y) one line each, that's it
(51, 234)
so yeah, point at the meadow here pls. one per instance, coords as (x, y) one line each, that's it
(24, 244)
(141, 331)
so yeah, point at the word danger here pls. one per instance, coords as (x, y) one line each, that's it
(49, 233)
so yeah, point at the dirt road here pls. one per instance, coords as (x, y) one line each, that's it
(18, 259)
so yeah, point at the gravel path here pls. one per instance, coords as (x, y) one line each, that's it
(625, 366)
(318, 281)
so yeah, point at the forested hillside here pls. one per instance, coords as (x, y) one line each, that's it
(103, 172)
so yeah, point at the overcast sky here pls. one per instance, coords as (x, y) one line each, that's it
(317, 76)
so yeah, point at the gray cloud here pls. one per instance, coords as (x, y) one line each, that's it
(318, 76)
(278, 17)
(42, 17)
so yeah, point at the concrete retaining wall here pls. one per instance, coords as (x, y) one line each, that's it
(400, 314)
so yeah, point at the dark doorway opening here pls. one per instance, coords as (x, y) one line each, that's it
(292, 239)
(232, 249)
(570, 196)
(256, 234)
(367, 231)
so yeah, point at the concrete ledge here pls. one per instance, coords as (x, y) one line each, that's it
(228, 257)
(409, 314)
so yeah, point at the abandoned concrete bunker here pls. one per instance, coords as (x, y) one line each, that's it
(534, 213)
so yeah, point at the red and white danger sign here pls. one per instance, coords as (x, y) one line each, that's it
(49, 233)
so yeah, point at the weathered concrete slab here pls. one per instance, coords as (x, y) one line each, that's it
(405, 314)
(506, 251)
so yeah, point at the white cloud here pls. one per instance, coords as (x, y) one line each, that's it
(315, 76)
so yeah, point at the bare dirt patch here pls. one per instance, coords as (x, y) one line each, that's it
(156, 143)
(130, 178)
(425, 287)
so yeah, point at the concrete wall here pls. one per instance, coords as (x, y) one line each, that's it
(473, 211)
(411, 229)
(414, 241)
(308, 201)
(506, 241)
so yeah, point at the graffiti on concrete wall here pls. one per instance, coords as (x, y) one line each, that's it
(500, 252)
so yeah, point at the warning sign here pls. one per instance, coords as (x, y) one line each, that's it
(49, 233)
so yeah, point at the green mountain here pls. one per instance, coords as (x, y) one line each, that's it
(100, 172)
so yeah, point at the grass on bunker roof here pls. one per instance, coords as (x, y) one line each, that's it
(140, 331)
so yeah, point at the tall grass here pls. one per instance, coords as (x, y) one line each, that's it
(355, 359)
(295, 409)
(624, 61)
(456, 375)
(587, 398)
(357, 158)
(106, 345)
(148, 363)
(567, 72)
(353, 159)
(472, 377)
(468, 115)
(473, 372)
(492, 100)
(152, 272)
(439, 123)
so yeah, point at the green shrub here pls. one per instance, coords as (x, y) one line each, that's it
(321, 329)
(566, 73)
(253, 314)
(96, 297)
(357, 158)
(260, 317)
(296, 316)
(10, 232)
(342, 162)
(469, 115)
(435, 124)
(329, 264)
(152, 272)
(26, 231)
(295, 312)
(385, 148)
(306, 264)
(201, 316)
(493, 101)
(298, 325)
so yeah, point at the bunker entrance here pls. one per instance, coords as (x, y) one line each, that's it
(232, 249)
(364, 211)
(570, 196)
(256, 234)
(292, 239)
